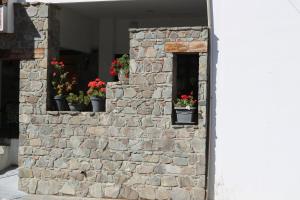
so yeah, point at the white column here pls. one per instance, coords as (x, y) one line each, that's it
(106, 46)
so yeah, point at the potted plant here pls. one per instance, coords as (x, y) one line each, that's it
(77, 102)
(60, 83)
(185, 107)
(97, 93)
(120, 67)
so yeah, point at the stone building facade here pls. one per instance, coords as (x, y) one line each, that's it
(130, 151)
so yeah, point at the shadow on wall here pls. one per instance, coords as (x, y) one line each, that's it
(212, 120)
(20, 44)
(14, 47)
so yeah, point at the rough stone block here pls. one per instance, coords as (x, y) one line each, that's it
(128, 193)
(145, 169)
(186, 181)
(198, 194)
(48, 187)
(180, 161)
(96, 190)
(112, 191)
(169, 181)
(180, 194)
(163, 194)
(25, 172)
(68, 189)
(129, 93)
(146, 192)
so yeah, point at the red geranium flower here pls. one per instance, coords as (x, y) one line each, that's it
(119, 64)
(96, 88)
(184, 96)
(112, 71)
(186, 100)
(92, 84)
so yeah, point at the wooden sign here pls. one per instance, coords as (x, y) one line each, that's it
(22, 54)
(194, 46)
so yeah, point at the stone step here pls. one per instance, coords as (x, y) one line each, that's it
(8, 153)
(4, 157)
(51, 197)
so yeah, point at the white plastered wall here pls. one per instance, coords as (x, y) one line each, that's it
(255, 114)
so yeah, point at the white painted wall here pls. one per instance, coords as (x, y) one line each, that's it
(257, 100)
(106, 46)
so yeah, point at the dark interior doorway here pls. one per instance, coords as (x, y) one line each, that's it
(9, 103)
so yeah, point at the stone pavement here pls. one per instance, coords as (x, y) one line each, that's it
(9, 185)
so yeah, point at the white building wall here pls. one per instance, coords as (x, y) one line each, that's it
(256, 104)
(106, 46)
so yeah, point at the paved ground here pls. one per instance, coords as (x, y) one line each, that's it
(9, 185)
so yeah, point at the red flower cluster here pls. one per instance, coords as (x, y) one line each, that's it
(97, 83)
(112, 69)
(184, 96)
(115, 66)
(120, 64)
(186, 100)
(96, 88)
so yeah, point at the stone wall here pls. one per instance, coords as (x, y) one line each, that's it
(132, 150)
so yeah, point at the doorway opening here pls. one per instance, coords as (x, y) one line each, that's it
(9, 112)
(9, 102)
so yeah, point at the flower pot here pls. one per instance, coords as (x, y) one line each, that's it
(185, 115)
(60, 102)
(75, 107)
(123, 78)
(98, 104)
